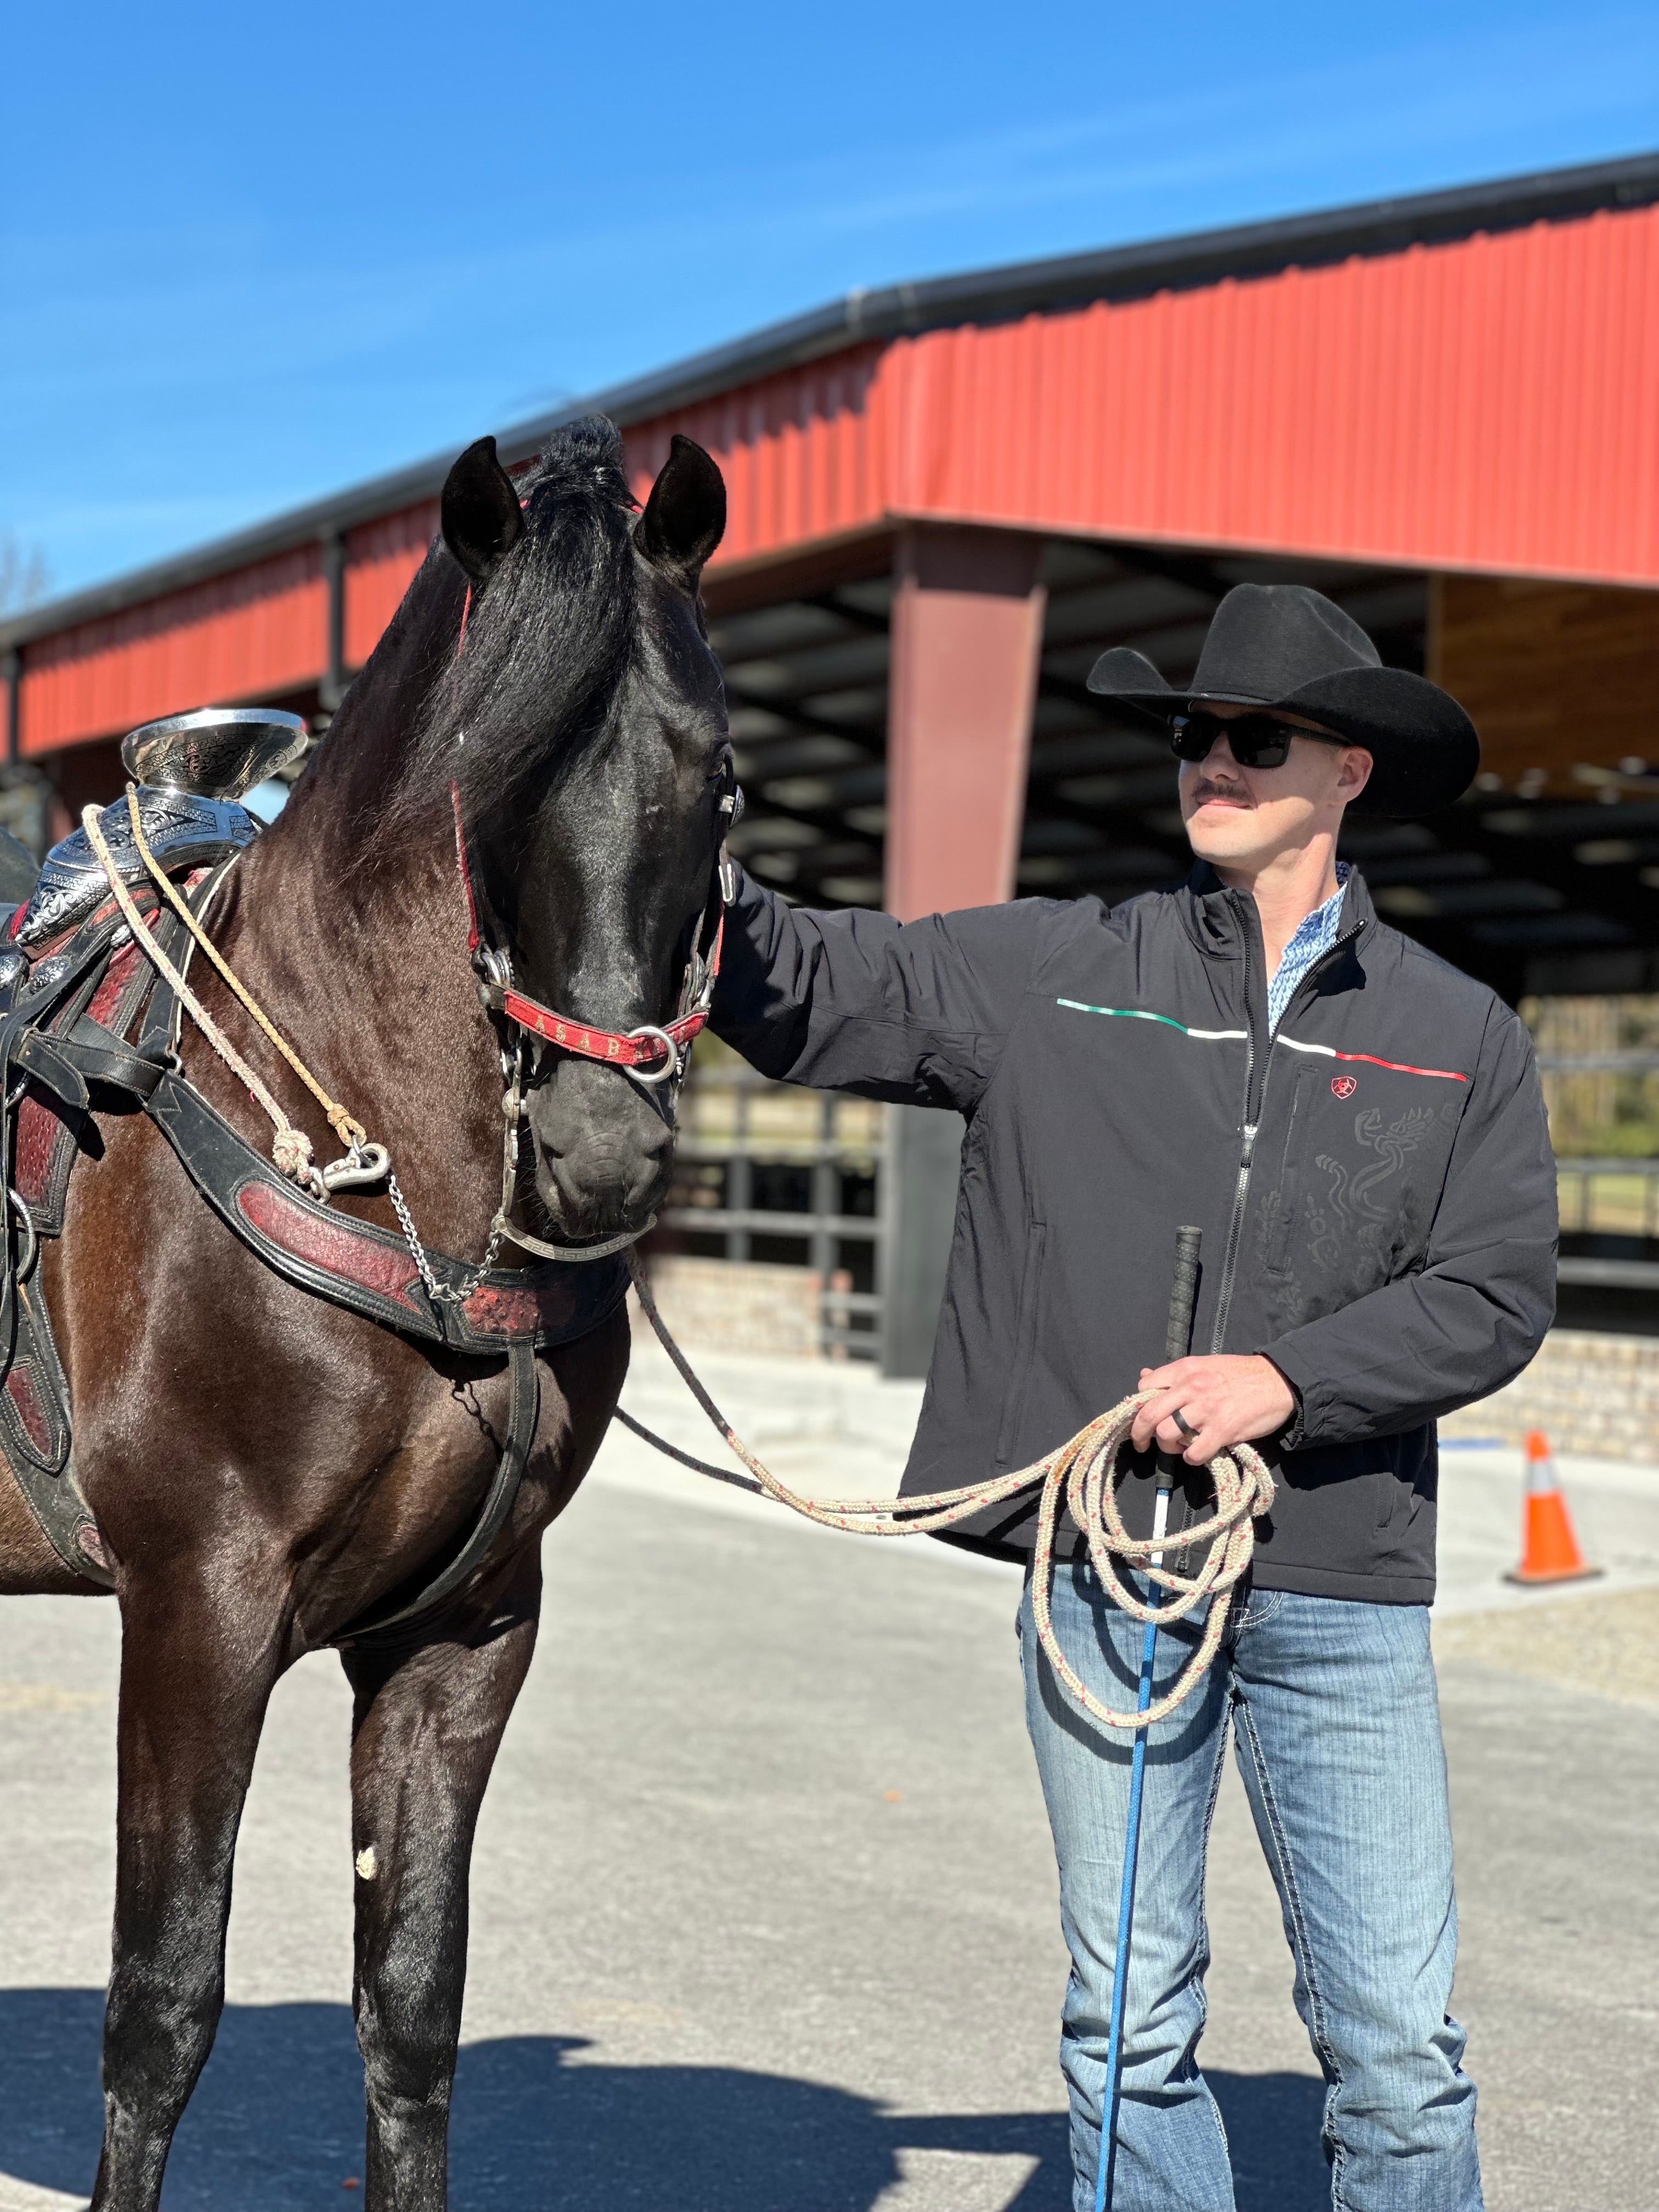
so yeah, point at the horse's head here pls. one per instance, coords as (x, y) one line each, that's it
(592, 765)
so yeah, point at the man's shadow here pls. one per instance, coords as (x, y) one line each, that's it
(541, 2125)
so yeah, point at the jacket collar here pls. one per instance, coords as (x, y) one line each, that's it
(1221, 922)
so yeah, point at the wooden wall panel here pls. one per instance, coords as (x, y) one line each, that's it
(1562, 680)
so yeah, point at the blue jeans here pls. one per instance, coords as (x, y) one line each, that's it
(1338, 1734)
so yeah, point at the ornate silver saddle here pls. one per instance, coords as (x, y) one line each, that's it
(191, 770)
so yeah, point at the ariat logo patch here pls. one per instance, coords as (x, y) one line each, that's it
(1344, 1086)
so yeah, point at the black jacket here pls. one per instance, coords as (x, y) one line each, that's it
(1374, 1182)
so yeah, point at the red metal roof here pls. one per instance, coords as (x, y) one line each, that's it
(1485, 402)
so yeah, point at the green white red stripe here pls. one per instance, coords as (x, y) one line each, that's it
(1295, 1044)
(1140, 1014)
(1369, 1059)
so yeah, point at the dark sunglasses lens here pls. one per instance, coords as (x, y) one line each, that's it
(1191, 736)
(1259, 743)
(1254, 740)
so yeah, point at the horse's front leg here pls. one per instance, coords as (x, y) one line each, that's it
(198, 1658)
(427, 1726)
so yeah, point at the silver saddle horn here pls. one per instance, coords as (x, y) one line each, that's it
(217, 752)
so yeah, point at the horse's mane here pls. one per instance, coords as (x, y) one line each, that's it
(547, 639)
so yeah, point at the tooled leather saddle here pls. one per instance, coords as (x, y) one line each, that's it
(87, 1027)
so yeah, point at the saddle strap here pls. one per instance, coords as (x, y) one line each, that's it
(499, 1501)
(35, 1436)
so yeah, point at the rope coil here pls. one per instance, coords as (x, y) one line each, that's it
(1084, 1473)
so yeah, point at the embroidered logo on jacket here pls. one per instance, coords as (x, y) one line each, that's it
(1344, 1086)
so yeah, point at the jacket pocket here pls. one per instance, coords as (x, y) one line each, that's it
(1282, 1218)
(1025, 1337)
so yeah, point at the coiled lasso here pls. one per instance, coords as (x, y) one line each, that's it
(1085, 1472)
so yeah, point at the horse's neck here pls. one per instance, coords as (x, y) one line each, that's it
(361, 961)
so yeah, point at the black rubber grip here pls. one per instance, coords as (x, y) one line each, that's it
(1183, 1294)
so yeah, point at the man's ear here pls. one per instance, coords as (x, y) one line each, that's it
(684, 518)
(1354, 774)
(482, 517)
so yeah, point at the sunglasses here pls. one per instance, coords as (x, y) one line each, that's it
(1255, 740)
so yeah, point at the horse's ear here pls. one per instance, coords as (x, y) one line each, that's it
(684, 518)
(481, 517)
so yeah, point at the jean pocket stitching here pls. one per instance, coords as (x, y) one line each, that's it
(1258, 1616)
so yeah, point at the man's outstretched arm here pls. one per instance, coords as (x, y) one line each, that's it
(916, 1011)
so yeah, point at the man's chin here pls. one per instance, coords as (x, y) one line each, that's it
(1223, 843)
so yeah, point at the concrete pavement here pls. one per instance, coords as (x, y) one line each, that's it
(764, 1912)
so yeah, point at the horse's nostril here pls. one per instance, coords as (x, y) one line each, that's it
(599, 1168)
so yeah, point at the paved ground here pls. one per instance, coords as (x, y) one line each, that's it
(764, 1914)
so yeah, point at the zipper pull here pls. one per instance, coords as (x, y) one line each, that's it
(1250, 1128)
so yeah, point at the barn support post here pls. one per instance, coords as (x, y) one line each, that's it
(967, 638)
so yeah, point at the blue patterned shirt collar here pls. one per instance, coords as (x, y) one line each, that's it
(1313, 937)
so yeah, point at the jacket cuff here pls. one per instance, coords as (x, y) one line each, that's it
(1291, 1436)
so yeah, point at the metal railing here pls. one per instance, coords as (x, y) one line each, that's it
(1609, 1197)
(742, 1138)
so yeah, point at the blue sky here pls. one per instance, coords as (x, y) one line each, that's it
(249, 256)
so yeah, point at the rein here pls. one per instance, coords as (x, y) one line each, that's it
(1084, 1473)
(634, 1052)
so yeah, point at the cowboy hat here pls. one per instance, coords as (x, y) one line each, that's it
(1282, 646)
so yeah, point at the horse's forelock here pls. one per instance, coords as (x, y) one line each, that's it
(546, 640)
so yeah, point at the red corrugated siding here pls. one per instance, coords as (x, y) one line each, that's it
(259, 630)
(380, 559)
(806, 454)
(1492, 404)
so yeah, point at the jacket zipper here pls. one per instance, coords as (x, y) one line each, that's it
(1249, 1122)
(1235, 1229)
(1241, 1188)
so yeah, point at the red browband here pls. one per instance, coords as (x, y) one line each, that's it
(642, 1048)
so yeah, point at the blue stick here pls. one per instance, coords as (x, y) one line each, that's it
(1126, 1902)
(1176, 1342)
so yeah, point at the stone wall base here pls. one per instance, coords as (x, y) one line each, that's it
(1593, 1394)
(1590, 1394)
(721, 1305)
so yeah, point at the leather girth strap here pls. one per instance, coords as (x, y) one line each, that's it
(38, 1447)
(498, 1500)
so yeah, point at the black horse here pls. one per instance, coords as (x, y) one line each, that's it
(265, 1466)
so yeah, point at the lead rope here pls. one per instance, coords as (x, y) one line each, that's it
(290, 1148)
(1085, 1472)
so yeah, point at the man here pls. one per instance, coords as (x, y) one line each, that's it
(1357, 1129)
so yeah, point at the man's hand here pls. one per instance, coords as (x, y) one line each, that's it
(1223, 1401)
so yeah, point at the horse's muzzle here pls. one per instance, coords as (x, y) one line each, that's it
(604, 1150)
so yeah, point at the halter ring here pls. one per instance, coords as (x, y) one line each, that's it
(669, 1064)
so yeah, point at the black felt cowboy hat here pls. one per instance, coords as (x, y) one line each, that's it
(1282, 646)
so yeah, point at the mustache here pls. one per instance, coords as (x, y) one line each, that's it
(1206, 788)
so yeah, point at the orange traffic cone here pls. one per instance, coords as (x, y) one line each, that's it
(1549, 1549)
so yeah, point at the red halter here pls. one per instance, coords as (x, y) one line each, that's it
(635, 1050)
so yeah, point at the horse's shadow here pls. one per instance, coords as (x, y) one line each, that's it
(542, 2125)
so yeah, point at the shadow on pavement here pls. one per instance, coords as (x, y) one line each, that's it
(276, 2123)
